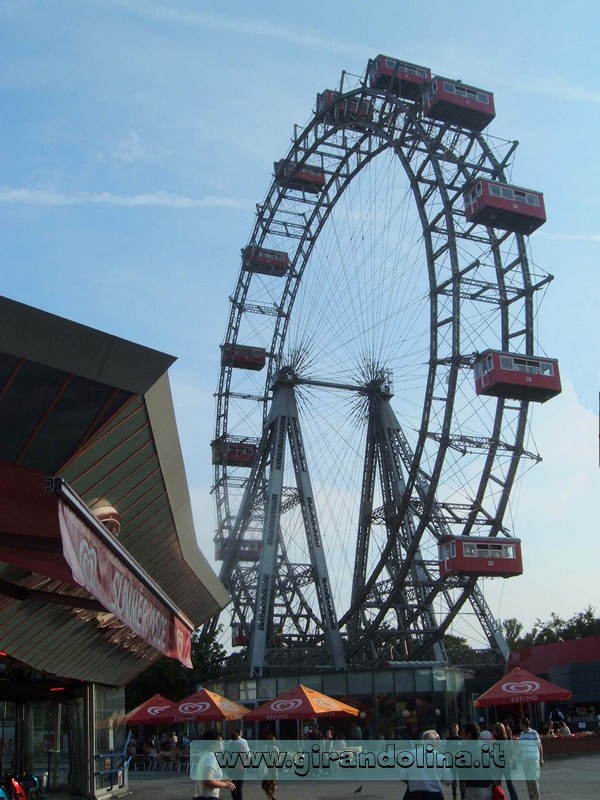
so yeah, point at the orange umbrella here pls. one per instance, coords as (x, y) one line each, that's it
(206, 706)
(155, 710)
(520, 686)
(363, 709)
(301, 703)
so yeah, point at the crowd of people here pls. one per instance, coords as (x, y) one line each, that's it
(209, 777)
(151, 751)
(487, 789)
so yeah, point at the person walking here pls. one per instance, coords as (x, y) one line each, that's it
(500, 735)
(532, 756)
(269, 784)
(454, 736)
(206, 772)
(237, 744)
(476, 789)
(430, 787)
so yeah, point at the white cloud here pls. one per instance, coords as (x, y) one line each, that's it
(131, 148)
(41, 197)
(570, 237)
(555, 518)
(566, 434)
(556, 86)
(244, 26)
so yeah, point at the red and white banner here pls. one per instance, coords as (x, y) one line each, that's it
(100, 571)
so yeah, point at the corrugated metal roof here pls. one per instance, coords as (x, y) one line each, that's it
(123, 465)
(53, 639)
(97, 410)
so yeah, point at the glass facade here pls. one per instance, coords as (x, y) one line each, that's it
(395, 702)
(69, 735)
(110, 740)
(42, 736)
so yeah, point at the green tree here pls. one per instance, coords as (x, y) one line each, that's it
(174, 681)
(512, 630)
(208, 655)
(580, 626)
(458, 649)
(166, 677)
(550, 631)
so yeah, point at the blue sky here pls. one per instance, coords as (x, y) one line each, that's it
(138, 136)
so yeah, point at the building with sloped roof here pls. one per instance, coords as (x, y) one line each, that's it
(100, 569)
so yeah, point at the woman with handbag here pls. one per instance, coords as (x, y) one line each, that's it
(500, 735)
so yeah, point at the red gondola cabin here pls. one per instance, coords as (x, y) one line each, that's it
(499, 205)
(238, 635)
(249, 549)
(342, 111)
(265, 262)
(457, 103)
(516, 377)
(398, 77)
(235, 452)
(478, 555)
(292, 176)
(243, 357)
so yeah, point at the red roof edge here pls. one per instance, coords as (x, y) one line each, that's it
(541, 658)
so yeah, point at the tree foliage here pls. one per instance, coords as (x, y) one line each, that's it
(512, 630)
(174, 681)
(581, 625)
(458, 649)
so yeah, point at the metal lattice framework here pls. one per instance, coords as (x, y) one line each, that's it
(370, 338)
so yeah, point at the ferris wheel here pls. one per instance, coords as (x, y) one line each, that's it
(376, 376)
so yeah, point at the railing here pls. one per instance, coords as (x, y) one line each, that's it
(114, 766)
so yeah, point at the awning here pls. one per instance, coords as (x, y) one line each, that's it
(96, 410)
(47, 529)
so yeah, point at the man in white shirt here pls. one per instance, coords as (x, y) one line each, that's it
(532, 755)
(237, 744)
(430, 787)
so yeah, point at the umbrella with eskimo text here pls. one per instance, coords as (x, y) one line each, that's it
(301, 703)
(206, 706)
(153, 711)
(520, 686)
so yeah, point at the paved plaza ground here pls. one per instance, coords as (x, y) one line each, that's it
(573, 777)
